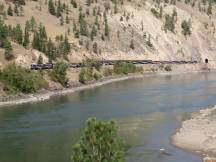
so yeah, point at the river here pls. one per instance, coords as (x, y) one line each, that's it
(148, 111)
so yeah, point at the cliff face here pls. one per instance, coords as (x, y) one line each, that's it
(136, 29)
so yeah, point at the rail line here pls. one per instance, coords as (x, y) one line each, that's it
(110, 62)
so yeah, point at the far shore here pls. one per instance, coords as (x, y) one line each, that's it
(39, 97)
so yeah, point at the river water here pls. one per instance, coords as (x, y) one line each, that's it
(147, 110)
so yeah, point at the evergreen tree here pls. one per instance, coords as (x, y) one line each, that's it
(32, 23)
(51, 53)
(10, 10)
(51, 7)
(66, 46)
(132, 44)
(83, 25)
(59, 9)
(209, 10)
(88, 2)
(106, 30)
(36, 41)
(20, 2)
(93, 32)
(8, 49)
(67, 20)
(16, 11)
(26, 36)
(74, 3)
(40, 60)
(186, 28)
(58, 74)
(61, 21)
(18, 34)
(115, 7)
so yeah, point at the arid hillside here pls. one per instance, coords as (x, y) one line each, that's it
(113, 29)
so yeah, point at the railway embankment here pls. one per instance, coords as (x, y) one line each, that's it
(148, 70)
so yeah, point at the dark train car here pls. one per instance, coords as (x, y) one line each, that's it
(41, 66)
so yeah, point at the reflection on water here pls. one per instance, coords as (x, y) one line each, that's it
(147, 110)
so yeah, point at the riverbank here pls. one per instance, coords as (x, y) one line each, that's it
(198, 134)
(46, 95)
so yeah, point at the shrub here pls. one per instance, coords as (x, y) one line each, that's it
(97, 76)
(90, 63)
(168, 68)
(99, 142)
(155, 13)
(8, 49)
(85, 75)
(124, 68)
(58, 74)
(186, 28)
(18, 79)
(107, 72)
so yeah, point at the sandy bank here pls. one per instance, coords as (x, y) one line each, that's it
(198, 134)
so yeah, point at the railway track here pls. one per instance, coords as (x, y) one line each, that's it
(111, 62)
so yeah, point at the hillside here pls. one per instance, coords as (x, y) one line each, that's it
(129, 22)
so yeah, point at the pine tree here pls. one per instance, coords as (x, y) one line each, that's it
(132, 44)
(16, 11)
(73, 2)
(88, 2)
(51, 53)
(67, 20)
(40, 60)
(186, 28)
(106, 29)
(26, 36)
(51, 7)
(32, 23)
(83, 25)
(36, 41)
(59, 9)
(61, 21)
(66, 46)
(115, 7)
(18, 34)
(10, 10)
(93, 32)
(209, 10)
(8, 49)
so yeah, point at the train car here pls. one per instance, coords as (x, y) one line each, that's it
(41, 66)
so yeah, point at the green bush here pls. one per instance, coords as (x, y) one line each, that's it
(90, 63)
(99, 142)
(124, 68)
(168, 68)
(108, 72)
(58, 74)
(85, 75)
(155, 13)
(186, 28)
(18, 79)
(97, 76)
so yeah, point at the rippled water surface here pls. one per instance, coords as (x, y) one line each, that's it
(148, 112)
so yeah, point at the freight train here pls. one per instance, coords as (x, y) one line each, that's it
(110, 62)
